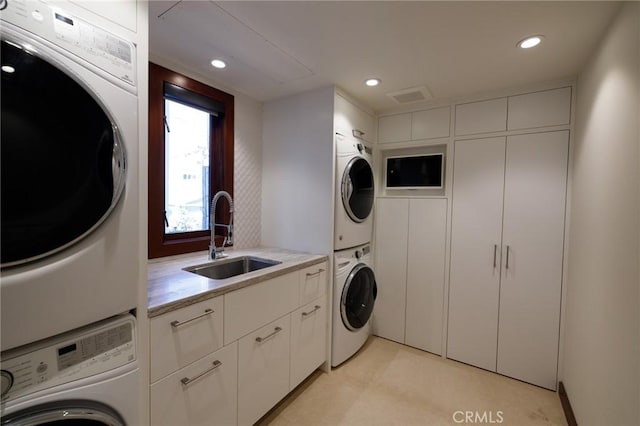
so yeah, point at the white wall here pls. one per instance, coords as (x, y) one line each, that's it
(247, 168)
(297, 181)
(602, 324)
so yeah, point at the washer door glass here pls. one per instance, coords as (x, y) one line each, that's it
(60, 413)
(357, 189)
(358, 296)
(62, 163)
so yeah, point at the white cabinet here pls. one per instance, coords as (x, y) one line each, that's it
(203, 393)
(252, 307)
(426, 124)
(182, 336)
(539, 109)
(263, 370)
(313, 282)
(410, 261)
(481, 117)
(394, 128)
(506, 254)
(308, 339)
(430, 123)
(351, 120)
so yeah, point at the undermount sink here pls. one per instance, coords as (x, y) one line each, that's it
(227, 268)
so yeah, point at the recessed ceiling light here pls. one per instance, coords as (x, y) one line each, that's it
(218, 63)
(372, 82)
(530, 42)
(8, 68)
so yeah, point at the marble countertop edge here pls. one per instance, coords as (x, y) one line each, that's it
(170, 287)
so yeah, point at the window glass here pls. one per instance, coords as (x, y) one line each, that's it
(187, 137)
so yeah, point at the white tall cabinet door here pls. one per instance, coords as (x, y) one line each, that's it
(392, 216)
(533, 234)
(476, 234)
(425, 273)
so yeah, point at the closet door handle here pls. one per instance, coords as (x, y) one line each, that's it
(507, 264)
(495, 252)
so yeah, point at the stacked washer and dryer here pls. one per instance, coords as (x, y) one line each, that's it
(355, 288)
(70, 246)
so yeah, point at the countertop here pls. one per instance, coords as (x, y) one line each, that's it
(170, 288)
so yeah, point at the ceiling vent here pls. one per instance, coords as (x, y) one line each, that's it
(411, 95)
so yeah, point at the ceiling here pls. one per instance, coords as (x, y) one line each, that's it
(274, 49)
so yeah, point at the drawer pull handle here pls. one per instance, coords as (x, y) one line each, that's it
(186, 380)
(176, 323)
(315, 273)
(306, 314)
(357, 133)
(262, 339)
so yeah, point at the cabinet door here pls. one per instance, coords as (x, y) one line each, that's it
(392, 216)
(313, 282)
(476, 233)
(546, 108)
(534, 211)
(308, 339)
(394, 128)
(481, 117)
(263, 370)
(430, 123)
(209, 397)
(425, 273)
(349, 117)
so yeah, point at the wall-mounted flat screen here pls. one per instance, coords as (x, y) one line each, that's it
(415, 171)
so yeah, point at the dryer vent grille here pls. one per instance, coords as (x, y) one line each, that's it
(411, 95)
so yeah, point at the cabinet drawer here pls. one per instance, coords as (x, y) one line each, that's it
(539, 109)
(308, 339)
(263, 370)
(251, 307)
(180, 337)
(313, 282)
(481, 117)
(210, 398)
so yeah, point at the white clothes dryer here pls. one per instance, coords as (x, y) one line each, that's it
(87, 376)
(354, 193)
(354, 295)
(69, 129)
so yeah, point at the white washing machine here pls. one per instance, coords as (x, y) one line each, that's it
(354, 193)
(354, 295)
(88, 376)
(69, 129)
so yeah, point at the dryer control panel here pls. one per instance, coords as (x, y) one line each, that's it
(95, 45)
(68, 357)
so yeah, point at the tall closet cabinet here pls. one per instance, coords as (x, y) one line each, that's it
(507, 245)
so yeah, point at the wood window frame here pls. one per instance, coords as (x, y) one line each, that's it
(221, 172)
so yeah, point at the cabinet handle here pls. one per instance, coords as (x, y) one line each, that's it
(186, 380)
(262, 339)
(507, 264)
(306, 314)
(176, 323)
(343, 264)
(357, 133)
(315, 273)
(495, 251)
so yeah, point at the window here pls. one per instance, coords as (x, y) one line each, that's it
(190, 159)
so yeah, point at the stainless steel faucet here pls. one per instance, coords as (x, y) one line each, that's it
(218, 252)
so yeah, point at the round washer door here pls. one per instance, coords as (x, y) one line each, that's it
(62, 159)
(358, 296)
(71, 412)
(357, 189)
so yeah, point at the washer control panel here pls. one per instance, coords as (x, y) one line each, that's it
(68, 357)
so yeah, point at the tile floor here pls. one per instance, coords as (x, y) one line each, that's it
(386, 383)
